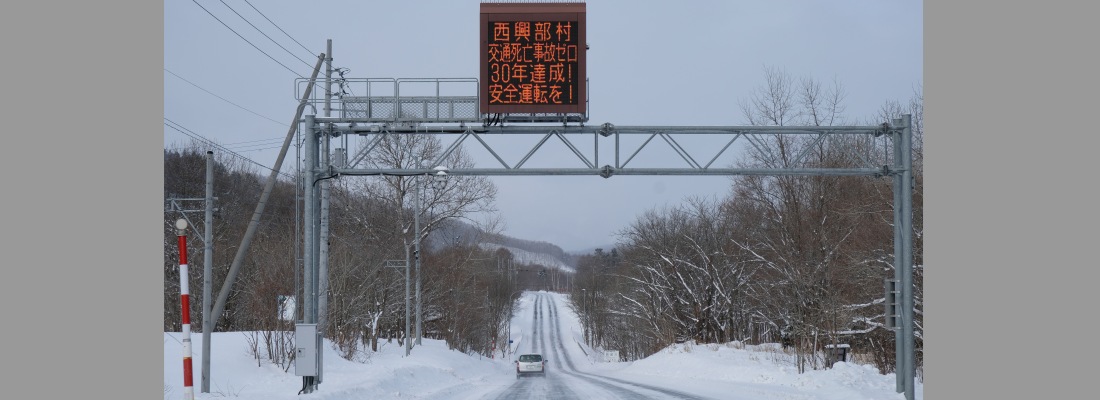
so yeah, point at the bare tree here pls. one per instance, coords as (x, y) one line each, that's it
(376, 215)
(821, 107)
(775, 103)
(799, 259)
(441, 199)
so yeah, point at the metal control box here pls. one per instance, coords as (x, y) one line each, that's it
(305, 349)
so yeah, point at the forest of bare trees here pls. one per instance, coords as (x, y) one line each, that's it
(466, 294)
(794, 260)
(797, 260)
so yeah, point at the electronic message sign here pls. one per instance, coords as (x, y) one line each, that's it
(532, 58)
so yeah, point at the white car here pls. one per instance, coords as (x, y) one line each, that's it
(530, 364)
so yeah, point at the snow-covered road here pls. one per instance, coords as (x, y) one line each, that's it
(543, 323)
(563, 380)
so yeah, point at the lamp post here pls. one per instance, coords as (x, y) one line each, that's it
(584, 310)
(437, 181)
(511, 307)
(416, 252)
(403, 264)
(440, 175)
(452, 326)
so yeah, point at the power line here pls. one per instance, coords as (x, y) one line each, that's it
(264, 148)
(246, 40)
(287, 35)
(196, 136)
(280, 29)
(265, 35)
(253, 141)
(181, 129)
(258, 146)
(222, 98)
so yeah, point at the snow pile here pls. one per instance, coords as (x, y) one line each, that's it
(756, 366)
(432, 371)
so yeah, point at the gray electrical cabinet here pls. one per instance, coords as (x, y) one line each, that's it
(305, 349)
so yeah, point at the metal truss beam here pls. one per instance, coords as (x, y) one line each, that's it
(608, 170)
(583, 165)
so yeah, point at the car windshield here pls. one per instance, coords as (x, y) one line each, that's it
(530, 358)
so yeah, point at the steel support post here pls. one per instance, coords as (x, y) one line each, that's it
(408, 341)
(899, 339)
(322, 246)
(416, 252)
(907, 305)
(309, 289)
(315, 225)
(905, 346)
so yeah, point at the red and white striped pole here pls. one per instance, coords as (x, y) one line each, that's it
(188, 388)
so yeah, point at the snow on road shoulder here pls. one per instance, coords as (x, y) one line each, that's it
(431, 372)
(732, 368)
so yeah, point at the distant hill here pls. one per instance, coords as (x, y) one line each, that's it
(525, 251)
(532, 258)
(590, 250)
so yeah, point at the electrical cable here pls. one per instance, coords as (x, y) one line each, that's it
(280, 29)
(253, 141)
(181, 129)
(246, 40)
(265, 35)
(223, 99)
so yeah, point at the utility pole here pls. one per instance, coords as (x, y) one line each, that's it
(208, 319)
(207, 274)
(322, 274)
(328, 79)
(254, 223)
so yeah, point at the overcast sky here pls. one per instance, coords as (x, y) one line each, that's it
(650, 63)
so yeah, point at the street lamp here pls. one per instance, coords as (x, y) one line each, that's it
(405, 265)
(511, 307)
(584, 308)
(452, 326)
(440, 178)
(440, 175)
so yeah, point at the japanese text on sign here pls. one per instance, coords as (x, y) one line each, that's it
(533, 58)
(533, 62)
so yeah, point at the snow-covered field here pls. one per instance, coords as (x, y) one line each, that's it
(719, 371)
